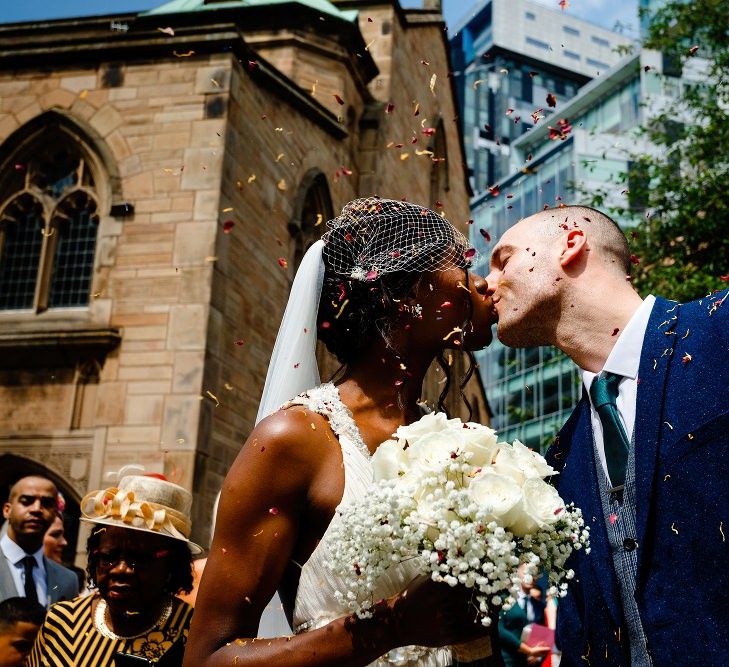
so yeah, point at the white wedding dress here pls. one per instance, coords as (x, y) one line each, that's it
(316, 604)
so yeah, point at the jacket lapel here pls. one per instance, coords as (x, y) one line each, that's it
(7, 585)
(658, 345)
(589, 502)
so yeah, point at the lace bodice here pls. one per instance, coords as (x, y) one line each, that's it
(316, 604)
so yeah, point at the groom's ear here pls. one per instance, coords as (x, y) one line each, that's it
(573, 248)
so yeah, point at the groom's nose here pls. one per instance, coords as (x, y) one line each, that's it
(491, 282)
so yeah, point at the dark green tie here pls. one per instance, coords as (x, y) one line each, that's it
(603, 392)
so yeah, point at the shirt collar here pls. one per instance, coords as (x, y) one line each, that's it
(15, 553)
(624, 358)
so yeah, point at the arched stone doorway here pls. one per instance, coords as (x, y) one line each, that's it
(13, 468)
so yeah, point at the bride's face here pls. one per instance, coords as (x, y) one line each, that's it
(454, 310)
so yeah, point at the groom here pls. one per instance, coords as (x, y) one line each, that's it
(645, 454)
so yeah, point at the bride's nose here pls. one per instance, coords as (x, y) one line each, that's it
(480, 285)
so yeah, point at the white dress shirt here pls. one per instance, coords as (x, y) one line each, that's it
(624, 360)
(14, 555)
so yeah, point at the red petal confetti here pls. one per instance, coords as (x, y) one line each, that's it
(470, 253)
(346, 172)
(693, 50)
(369, 19)
(724, 279)
(494, 190)
(615, 332)
(613, 518)
(551, 100)
(371, 275)
(686, 358)
(252, 64)
(561, 131)
(240, 342)
(228, 226)
(429, 131)
(283, 263)
(273, 511)
(438, 203)
(19, 167)
(535, 115)
(510, 196)
(339, 99)
(563, 4)
(634, 259)
(485, 234)
(469, 222)
(297, 364)
(390, 107)
(325, 325)
(446, 304)
(414, 140)
(398, 382)
(509, 112)
(348, 237)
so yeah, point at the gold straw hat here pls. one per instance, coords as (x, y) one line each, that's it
(143, 502)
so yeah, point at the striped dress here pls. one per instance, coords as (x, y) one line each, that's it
(68, 637)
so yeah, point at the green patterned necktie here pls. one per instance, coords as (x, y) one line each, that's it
(604, 392)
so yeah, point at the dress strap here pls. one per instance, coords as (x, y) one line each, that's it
(325, 400)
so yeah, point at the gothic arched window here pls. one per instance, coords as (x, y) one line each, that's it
(48, 224)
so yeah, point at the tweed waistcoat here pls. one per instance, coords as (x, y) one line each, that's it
(621, 531)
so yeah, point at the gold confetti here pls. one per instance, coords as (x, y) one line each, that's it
(404, 156)
(211, 258)
(666, 478)
(478, 82)
(82, 95)
(313, 87)
(313, 428)
(167, 31)
(228, 386)
(228, 209)
(214, 397)
(251, 178)
(686, 334)
(721, 530)
(341, 310)
(279, 156)
(455, 331)
(319, 219)
(673, 528)
(423, 152)
(215, 83)
(281, 185)
(690, 436)
(416, 111)
(43, 232)
(367, 48)
(432, 83)
(669, 425)
(183, 55)
(180, 441)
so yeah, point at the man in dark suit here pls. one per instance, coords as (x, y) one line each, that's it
(645, 454)
(527, 609)
(24, 570)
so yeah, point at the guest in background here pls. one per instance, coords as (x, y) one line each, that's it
(54, 541)
(20, 620)
(139, 559)
(527, 609)
(24, 571)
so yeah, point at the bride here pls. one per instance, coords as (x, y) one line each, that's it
(387, 290)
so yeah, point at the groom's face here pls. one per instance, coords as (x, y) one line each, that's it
(524, 281)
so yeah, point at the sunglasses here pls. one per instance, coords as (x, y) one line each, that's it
(106, 560)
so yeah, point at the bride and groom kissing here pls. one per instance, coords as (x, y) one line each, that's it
(644, 454)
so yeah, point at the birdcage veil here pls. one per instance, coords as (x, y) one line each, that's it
(373, 237)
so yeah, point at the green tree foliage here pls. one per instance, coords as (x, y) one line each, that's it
(678, 193)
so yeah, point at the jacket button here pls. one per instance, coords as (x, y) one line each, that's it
(629, 544)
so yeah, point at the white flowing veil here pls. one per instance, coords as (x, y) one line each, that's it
(292, 369)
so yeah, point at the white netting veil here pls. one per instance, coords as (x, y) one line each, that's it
(372, 237)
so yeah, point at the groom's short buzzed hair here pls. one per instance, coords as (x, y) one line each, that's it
(602, 230)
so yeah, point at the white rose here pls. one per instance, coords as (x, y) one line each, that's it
(541, 507)
(389, 461)
(506, 463)
(430, 423)
(498, 494)
(481, 442)
(530, 462)
(433, 451)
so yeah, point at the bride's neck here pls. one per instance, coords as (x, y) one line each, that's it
(392, 383)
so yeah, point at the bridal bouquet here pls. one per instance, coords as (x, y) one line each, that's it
(464, 508)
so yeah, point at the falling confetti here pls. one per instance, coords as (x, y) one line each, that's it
(428, 131)
(281, 185)
(210, 394)
(693, 50)
(432, 83)
(485, 234)
(389, 108)
(167, 31)
(183, 55)
(240, 342)
(551, 100)
(563, 4)
(228, 226)
(339, 99)
(283, 263)
(251, 178)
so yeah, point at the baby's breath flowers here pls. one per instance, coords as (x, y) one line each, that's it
(465, 508)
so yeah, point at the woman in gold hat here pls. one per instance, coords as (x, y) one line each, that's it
(139, 558)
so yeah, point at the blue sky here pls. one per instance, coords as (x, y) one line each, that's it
(602, 12)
